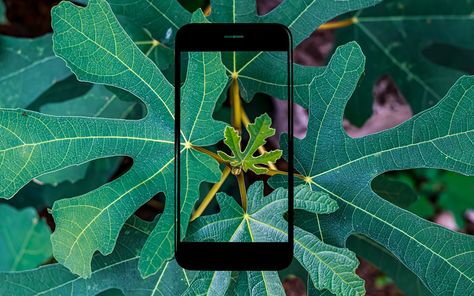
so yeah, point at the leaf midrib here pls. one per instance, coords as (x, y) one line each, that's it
(304, 247)
(87, 138)
(24, 69)
(95, 271)
(392, 149)
(112, 203)
(159, 278)
(336, 90)
(122, 62)
(395, 61)
(395, 228)
(24, 245)
(162, 13)
(204, 94)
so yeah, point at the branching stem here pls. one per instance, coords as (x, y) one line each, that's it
(338, 24)
(272, 172)
(210, 195)
(207, 11)
(210, 153)
(236, 105)
(243, 190)
(279, 172)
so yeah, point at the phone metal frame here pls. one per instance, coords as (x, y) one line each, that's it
(232, 255)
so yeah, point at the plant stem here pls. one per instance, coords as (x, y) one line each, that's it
(210, 153)
(261, 149)
(207, 11)
(243, 190)
(279, 172)
(272, 172)
(210, 195)
(236, 105)
(338, 24)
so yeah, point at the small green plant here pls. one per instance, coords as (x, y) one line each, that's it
(98, 242)
(244, 160)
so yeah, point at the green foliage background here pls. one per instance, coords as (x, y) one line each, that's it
(75, 103)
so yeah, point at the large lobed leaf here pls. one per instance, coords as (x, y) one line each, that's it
(423, 45)
(329, 267)
(118, 270)
(257, 71)
(98, 102)
(92, 221)
(343, 167)
(407, 281)
(161, 18)
(22, 59)
(266, 71)
(118, 62)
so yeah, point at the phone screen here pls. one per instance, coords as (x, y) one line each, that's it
(236, 134)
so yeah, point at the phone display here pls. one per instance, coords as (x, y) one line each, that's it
(234, 145)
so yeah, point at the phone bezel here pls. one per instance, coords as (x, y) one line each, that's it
(231, 255)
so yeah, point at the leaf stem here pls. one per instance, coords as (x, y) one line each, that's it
(236, 104)
(207, 11)
(243, 190)
(338, 24)
(261, 149)
(210, 195)
(210, 153)
(279, 172)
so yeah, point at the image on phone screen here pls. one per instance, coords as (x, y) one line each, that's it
(237, 213)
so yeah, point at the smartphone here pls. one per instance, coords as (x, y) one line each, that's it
(230, 88)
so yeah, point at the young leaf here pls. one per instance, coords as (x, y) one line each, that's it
(28, 67)
(344, 167)
(259, 131)
(24, 239)
(118, 270)
(330, 267)
(416, 43)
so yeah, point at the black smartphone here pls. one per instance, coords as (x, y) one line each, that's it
(212, 80)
